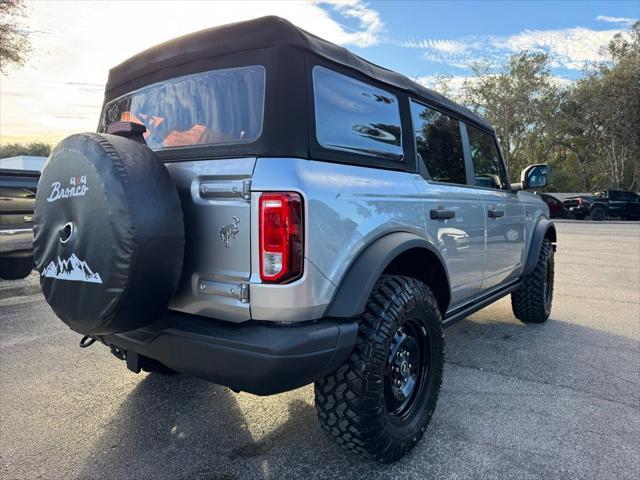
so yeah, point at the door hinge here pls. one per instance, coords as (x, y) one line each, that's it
(240, 292)
(226, 188)
(244, 291)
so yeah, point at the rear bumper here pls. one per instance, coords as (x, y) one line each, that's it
(15, 240)
(256, 358)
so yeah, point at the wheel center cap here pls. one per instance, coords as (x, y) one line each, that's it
(404, 368)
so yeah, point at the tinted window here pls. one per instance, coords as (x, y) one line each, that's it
(354, 116)
(628, 196)
(439, 144)
(211, 108)
(613, 195)
(487, 165)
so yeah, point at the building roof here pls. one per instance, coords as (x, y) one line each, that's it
(23, 162)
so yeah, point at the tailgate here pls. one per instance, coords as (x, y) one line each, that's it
(216, 200)
(571, 202)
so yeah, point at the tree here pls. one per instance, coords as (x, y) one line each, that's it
(586, 129)
(518, 98)
(14, 37)
(602, 114)
(37, 149)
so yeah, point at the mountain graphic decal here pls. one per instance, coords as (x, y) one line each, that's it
(72, 269)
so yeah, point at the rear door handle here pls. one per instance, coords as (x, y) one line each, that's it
(496, 213)
(441, 214)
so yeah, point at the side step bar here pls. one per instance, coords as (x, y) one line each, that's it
(465, 310)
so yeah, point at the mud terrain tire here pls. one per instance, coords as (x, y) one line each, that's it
(355, 404)
(15, 268)
(532, 301)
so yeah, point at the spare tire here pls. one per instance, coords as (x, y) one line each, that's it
(108, 234)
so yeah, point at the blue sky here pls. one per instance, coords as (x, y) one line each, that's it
(475, 22)
(75, 43)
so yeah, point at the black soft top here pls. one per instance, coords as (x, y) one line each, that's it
(263, 33)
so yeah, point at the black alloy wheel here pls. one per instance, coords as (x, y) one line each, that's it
(407, 369)
(598, 214)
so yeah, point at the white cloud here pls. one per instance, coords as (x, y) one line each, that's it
(621, 20)
(571, 48)
(445, 46)
(75, 43)
(368, 19)
(444, 84)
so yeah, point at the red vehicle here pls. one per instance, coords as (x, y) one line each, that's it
(556, 208)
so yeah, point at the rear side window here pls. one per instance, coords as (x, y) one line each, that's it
(218, 107)
(631, 197)
(439, 144)
(487, 165)
(355, 117)
(626, 196)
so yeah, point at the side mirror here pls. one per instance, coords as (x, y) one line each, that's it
(534, 176)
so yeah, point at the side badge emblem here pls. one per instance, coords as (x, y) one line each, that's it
(230, 231)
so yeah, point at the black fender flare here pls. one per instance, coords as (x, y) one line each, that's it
(544, 228)
(357, 284)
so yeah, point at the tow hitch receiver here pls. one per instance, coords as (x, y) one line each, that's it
(118, 352)
(131, 358)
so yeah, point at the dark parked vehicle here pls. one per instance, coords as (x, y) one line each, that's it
(556, 207)
(17, 201)
(577, 207)
(607, 203)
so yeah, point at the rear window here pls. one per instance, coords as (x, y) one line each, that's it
(356, 117)
(218, 107)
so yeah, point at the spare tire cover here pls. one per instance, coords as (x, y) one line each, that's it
(108, 233)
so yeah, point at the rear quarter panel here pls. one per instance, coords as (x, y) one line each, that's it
(347, 207)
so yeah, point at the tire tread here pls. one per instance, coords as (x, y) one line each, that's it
(348, 400)
(528, 301)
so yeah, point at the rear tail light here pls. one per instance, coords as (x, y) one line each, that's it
(281, 237)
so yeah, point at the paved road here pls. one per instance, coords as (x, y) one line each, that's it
(560, 400)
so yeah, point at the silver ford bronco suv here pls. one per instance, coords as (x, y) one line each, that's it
(263, 209)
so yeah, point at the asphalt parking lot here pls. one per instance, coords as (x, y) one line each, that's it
(559, 400)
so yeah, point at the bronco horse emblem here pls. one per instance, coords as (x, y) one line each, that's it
(230, 231)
